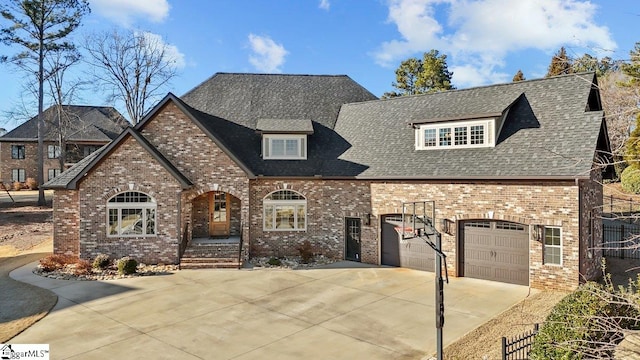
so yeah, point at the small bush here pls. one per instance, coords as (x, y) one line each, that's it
(102, 261)
(630, 180)
(306, 252)
(127, 265)
(82, 267)
(56, 262)
(585, 324)
(31, 183)
(17, 185)
(274, 262)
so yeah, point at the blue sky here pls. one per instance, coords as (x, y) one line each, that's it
(486, 41)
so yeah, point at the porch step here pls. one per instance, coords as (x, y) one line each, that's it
(212, 251)
(210, 263)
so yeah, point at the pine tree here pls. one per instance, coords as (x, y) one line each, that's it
(560, 64)
(421, 76)
(519, 76)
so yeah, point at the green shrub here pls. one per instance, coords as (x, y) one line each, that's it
(102, 261)
(127, 265)
(274, 262)
(630, 179)
(584, 325)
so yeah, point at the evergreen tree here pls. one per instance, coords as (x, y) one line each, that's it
(39, 28)
(421, 76)
(519, 76)
(632, 68)
(560, 64)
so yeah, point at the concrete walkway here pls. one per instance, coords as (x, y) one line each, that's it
(332, 313)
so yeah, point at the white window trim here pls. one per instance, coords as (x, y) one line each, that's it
(295, 203)
(134, 206)
(267, 146)
(53, 150)
(545, 246)
(489, 137)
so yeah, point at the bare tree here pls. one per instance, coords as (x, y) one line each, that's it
(39, 27)
(133, 66)
(63, 92)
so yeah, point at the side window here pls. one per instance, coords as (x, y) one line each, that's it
(285, 210)
(553, 245)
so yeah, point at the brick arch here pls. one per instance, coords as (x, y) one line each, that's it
(124, 188)
(279, 187)
(206, 189)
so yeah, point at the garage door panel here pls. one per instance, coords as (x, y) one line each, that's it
(497, 251)
(410, 253)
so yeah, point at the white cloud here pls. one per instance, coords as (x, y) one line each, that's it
(268, 56)
(125, 11)
(171, 52)
(478, 34)
(324, 5)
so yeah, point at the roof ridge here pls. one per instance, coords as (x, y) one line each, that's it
(407, 97)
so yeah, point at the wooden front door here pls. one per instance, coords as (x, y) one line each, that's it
(218, 214)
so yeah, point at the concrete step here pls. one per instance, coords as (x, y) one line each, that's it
(212, 251)
(210, 263)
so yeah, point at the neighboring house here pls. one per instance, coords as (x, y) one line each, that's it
(266, 162)
(83, 130)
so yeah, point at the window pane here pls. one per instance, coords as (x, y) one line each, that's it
(151, 221)
(461, 135)
(552, 236)
(113, 222)
(17, 151)
(277, 147)
(291, 147)
(445, 137)
(284, 217)
(301, 217)
(477, 134)
(131, 221)
(429, 137)
(268, 217)
(53, 151)
(285, 195)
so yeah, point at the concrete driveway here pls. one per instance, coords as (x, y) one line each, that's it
(332, 313)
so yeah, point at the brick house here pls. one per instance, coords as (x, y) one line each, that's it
(248, 165)
(82, 129)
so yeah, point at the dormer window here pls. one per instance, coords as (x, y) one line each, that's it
(284, 147)
(284, 139)
(467, 134)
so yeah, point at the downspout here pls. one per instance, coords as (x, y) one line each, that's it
(178, 225)
(581, 256)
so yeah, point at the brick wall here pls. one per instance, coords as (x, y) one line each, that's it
(328, 203)
(185, 145)
(66, 217)
(129, 167)
(549, 203)
(591, 226)
(29, 163)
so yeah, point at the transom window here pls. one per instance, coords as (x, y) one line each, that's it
(553, 245)
(455, 135)
(53, 151)
(285, 210)
(17, 151)
(284, 147)
(131, 213)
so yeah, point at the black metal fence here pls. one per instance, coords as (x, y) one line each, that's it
(518, 347)
(621, 240)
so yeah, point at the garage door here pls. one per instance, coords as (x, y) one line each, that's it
(410, 253)
(495, 250)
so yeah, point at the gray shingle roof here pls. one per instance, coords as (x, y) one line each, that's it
(69, 178)
(284, 126)
(83, 123)
(547, 132)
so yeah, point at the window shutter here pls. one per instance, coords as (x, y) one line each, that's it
(303, 147)
(265, 143)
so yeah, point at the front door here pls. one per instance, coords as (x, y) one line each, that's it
(219, 214)
(352, 239)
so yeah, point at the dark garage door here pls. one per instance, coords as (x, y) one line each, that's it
(410, 253)
(495, 250)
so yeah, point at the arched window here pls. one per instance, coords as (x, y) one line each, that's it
(131, 213)
(285, 210)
